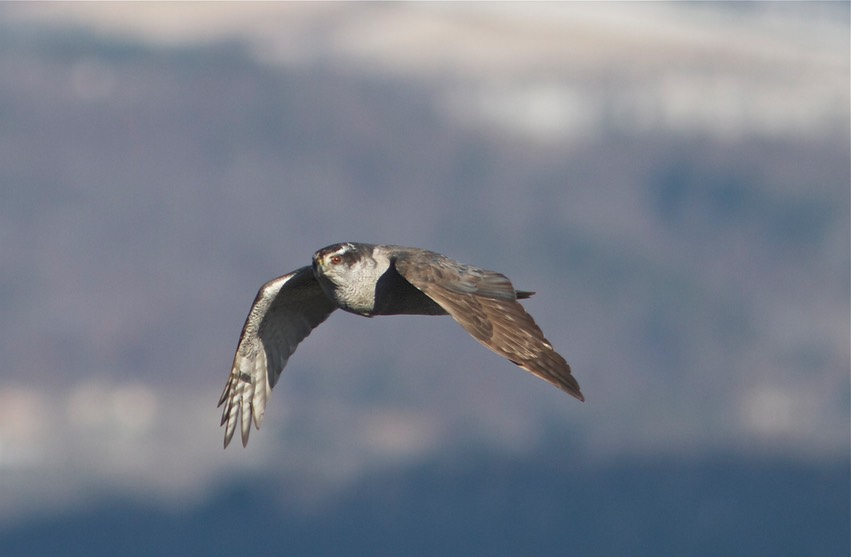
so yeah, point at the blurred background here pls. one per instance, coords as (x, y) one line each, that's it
(671, 178)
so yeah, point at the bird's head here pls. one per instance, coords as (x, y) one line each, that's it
(337, 262)
(348, 273)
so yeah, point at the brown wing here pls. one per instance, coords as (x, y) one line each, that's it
(284, 312)
(485, 304)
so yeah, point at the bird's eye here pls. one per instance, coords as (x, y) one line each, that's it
(335, 259)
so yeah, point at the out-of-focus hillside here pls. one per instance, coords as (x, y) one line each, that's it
(674, 185)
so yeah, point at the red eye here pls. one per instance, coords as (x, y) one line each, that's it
(335, 259)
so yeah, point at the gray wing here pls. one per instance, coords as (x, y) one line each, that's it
(485, 304)
(284, 312)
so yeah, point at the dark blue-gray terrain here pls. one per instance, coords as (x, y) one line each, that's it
(488, 506)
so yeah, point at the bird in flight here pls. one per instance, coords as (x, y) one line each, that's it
(370, 280)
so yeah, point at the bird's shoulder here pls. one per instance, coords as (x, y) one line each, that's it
(430, 270)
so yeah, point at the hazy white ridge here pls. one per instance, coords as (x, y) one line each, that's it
(546, 71)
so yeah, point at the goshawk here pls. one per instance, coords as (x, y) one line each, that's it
(369, 280)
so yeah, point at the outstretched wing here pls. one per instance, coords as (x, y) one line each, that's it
(284, 312)
(485, 304)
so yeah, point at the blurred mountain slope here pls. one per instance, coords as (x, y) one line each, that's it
(684, 222)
